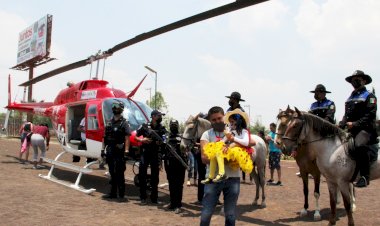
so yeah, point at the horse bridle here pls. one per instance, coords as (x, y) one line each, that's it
(296, 140)
(193, 139)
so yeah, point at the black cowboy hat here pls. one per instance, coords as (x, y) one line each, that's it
(361, 74)
(320, 88)
(236, 96)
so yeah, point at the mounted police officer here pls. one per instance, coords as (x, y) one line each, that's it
(234, 100)
(151, 155)
(360, 120)
(116, 141)
(323, 107)
(175, 171)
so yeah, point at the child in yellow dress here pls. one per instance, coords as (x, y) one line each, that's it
(235, 148)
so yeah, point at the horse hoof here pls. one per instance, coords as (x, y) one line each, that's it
(353, 209)
(263, 205)
(303, 213)
(317, 216)
(254, 203)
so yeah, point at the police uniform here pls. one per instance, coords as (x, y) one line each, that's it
(175, 171)
(360, 109)
(150, 156)
(115, 133)
(324, 108)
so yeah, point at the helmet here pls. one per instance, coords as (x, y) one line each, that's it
(173, 122)
(118, 105)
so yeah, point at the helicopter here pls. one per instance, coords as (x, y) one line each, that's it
(92, 100)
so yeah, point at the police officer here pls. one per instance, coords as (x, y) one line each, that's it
(175, 171)
(116, 141)
(234, 100)
(360, 120)
(323, 107)
(151, 155)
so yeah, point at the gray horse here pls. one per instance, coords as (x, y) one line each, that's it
(194, 128)
(328, 145)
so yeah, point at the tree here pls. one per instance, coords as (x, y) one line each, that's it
(161, 104)
(256, 127)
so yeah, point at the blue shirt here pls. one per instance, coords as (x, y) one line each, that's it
(272, 146)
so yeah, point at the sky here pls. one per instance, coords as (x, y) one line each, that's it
(273, 53)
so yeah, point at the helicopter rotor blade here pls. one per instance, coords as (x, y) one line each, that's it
(49, 74)
(238, 4)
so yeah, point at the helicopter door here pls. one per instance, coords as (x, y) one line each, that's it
(94, 128)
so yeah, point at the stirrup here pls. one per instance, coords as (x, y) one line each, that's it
(219, 178)
(206, 181)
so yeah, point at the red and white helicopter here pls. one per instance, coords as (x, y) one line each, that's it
(92, 99)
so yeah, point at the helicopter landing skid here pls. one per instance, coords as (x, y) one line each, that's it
(79, 169)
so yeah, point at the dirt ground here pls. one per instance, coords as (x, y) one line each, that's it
(26, 199)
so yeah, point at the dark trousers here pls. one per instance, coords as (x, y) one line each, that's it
(363, 160)
(201, 175)
(175, 173)
(149, 158)
(116, 167)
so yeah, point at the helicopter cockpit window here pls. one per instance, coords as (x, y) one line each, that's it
(92, 120)
(131, 112)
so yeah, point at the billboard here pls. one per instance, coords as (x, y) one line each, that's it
(34, 41)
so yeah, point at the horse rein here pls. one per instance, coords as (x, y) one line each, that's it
(194, 137)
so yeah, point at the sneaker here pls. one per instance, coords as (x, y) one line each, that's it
(178, 210)
(143, 202)
(188, 183)
(298, 174)
(270, 181)
(156, 202)
(278, 183)
(206, 181)
(220, 178)
(361, 183)
(109, 196)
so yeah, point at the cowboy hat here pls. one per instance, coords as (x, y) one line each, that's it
(238, 112)
(361, 74)
(320, 88)
(235, 95)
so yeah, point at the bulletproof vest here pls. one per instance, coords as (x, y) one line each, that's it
(115, 132)
(175, 141)
(320, 108)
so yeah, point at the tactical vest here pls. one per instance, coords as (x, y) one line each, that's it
(115, 132)
(356, 105)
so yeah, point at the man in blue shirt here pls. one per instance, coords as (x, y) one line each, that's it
(323, 107)
(274, 155)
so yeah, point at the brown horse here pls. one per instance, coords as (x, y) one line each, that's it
(305, 161)
(328, 145)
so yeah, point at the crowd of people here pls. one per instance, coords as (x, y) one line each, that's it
(217, 158)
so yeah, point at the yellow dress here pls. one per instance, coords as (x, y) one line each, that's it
(237, 157)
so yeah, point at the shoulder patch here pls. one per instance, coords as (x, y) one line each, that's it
(332, 106)
(372, 100)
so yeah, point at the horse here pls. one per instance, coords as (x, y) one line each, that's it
(306, 163)
(329, 145)
(196, 126)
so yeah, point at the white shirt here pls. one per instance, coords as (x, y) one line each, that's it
(82, 134)
(211, 136)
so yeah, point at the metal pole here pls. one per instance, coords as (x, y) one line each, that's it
(30, 91)
(150, 94)
(155, 85)
(249, 111)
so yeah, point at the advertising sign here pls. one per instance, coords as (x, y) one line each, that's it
(32, 41)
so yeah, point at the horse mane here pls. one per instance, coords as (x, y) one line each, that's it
(323, 127)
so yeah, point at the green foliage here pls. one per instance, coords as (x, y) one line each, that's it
(161, 104)
(256, 127)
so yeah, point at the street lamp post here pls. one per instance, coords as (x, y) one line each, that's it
(155, 86)
(150, 94)
(249, 111)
